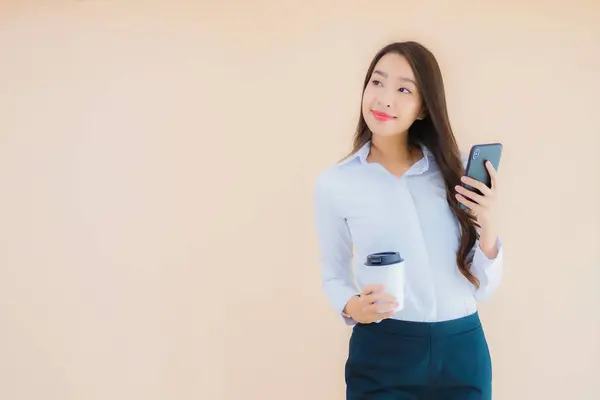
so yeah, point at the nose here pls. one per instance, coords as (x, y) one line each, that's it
(385, 98)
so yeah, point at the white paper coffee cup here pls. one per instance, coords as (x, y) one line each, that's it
(387, 269)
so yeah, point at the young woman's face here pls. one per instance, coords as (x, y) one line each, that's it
(391, 100)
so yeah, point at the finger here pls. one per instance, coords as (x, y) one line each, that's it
(376, 318)
(382, 297)
(379, 306)
(379, 309)
(493, 174)
(482, 187)
(382, 315)
(476, 197)
(371, 288)
(468, 203)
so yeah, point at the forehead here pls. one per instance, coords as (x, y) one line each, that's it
(395, 66)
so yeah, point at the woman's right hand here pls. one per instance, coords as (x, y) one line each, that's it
(372, 305)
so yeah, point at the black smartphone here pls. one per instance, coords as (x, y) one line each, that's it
(476, 169)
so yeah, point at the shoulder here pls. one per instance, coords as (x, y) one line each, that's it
(328, 177)
(335, 178)
(435, 168)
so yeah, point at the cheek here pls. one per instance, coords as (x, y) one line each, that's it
(408, 108)
(367, 99)
(367, 103)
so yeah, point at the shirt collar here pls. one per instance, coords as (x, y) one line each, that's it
(361, 154)
(419, 167)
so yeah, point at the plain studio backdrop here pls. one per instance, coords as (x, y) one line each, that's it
(157, 160)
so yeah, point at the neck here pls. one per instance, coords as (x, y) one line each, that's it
(392, 149)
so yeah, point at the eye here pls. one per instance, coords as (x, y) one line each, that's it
(404, 90)
(375, 82)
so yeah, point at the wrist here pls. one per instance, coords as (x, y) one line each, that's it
(488, 243)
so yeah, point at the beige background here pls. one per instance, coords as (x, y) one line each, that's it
(157, 162)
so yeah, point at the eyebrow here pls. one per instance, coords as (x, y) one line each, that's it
(402, 78)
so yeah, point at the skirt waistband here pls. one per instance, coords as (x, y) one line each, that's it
(413, 328)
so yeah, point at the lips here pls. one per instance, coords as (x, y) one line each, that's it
(381, 116)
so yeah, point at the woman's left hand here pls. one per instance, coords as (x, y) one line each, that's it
(482, 206)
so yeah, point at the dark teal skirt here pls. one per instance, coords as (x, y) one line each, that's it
(400, 360)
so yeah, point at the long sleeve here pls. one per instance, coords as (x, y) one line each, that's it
(487, 271)
(335, 250)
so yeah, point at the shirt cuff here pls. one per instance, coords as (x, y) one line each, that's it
(346, 318)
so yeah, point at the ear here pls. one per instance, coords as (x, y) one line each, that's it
(422, 114)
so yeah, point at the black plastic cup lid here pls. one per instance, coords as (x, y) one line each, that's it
(384, 258)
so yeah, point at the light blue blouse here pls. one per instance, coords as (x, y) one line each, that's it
(360, 208)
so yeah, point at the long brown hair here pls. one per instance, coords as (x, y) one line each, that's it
(433, 131)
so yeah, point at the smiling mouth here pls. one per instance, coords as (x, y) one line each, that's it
(381, 116)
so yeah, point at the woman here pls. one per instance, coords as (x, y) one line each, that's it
(400, 190)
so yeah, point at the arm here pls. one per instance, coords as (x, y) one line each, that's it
(487, 267)
(488, 254)
(335, 250)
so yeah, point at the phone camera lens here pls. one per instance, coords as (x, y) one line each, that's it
(475, 154)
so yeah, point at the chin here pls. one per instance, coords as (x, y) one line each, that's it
(383, 128)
